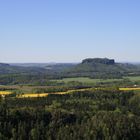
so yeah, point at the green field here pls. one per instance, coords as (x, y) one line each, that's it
(133, 78)
(94, 81)
(87, 80)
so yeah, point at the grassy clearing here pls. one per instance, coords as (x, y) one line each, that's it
(87, 80)
(133, 78)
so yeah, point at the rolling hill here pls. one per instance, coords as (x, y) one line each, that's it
(103, 68)
(40, 73)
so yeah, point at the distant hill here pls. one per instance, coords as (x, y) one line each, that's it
(31, 73)
(52, 66)
(34, 68)
(3, 64)
(41, 73)
(99, 61)
(103, 68)
(10, 69)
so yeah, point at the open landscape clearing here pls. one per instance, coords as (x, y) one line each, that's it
(133, 78)
(89, 80)
(86, 80)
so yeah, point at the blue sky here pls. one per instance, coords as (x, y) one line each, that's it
(69, 30)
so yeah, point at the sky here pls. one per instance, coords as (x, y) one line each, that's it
(44, 31)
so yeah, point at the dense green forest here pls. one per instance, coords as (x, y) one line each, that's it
(107, 114)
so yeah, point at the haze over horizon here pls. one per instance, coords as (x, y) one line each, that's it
(69, 31)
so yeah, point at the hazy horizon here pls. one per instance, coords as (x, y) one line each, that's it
(69, 31)
(57, 62)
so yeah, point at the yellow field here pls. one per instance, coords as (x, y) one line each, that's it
(70, 91)
(5, 92)
(128, 89)
(31, 95)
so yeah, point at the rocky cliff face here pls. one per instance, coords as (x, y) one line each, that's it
(99, 60)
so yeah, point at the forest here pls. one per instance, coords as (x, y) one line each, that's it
(103, 114)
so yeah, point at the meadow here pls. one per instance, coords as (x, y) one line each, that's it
(133, 78)
(87, 80)
(29, 92)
